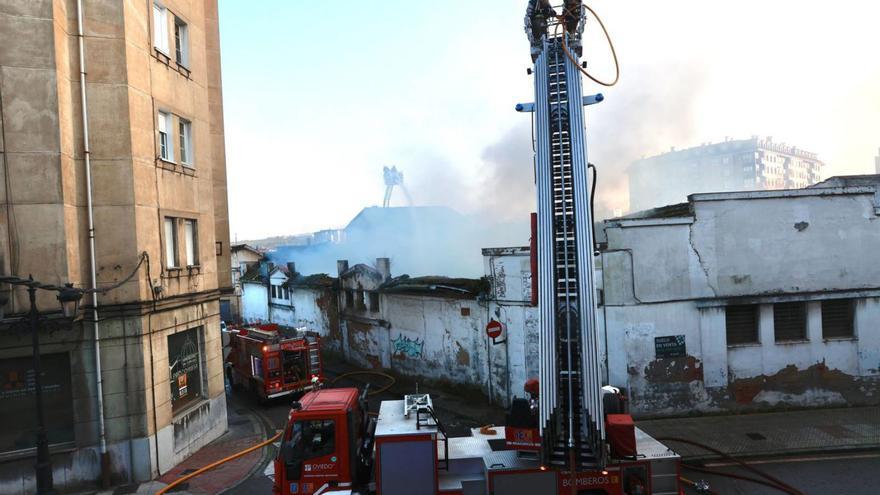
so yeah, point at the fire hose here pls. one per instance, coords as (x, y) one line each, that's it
(218, 463)
(384, 388)
(771, 481)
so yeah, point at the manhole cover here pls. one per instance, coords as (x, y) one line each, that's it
(756, 436)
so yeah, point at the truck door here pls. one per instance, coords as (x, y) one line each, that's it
(308, 456)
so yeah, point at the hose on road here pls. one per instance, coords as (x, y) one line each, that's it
(218, 463)
(384, 388)
(771, 480)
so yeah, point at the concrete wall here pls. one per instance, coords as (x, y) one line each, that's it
(254, 302)
(676, 276)
(510, 275)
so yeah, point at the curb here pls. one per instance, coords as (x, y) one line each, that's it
(266, 456)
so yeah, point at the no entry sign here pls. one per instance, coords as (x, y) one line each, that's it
(493, 329)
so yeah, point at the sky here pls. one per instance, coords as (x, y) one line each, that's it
(319, 96)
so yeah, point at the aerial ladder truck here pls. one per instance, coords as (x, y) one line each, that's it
(559, 440)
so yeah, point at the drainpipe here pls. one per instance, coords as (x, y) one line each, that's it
(105, 456)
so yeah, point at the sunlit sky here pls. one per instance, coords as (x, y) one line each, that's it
(319, 96)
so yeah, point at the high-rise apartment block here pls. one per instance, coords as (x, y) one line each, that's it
(732, 165)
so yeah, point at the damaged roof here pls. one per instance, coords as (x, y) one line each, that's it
(253, 274)
(454, 288)
(316, 280)
(849, 181)
(669, 211)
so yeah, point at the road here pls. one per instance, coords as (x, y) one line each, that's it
(855, 474)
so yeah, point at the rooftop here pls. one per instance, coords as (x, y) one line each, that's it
(456, 288)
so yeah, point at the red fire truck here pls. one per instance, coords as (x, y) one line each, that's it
(271, 361)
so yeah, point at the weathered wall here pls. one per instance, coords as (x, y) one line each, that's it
(510, 276)
(675, 276)
(254, 302)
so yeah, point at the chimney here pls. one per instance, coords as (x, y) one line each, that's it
(384, 267)
(291, 268)
(341, 266)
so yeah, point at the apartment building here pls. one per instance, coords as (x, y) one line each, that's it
(758, 163)
(154, 135)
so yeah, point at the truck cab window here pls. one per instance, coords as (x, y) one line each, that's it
(318, 438)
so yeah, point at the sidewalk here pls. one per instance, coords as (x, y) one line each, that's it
(245, 430)
(816, 431)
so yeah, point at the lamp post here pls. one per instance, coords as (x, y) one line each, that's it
(69, 298)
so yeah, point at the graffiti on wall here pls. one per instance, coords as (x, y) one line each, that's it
(408, 347)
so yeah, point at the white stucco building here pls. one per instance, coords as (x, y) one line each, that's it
(744, 300)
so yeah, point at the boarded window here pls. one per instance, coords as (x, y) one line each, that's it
(742, 324)
(790, 321)
(837, 318)
(185, 368)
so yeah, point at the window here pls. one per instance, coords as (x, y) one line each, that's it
(17, 401)
(185, 368)
(742, 324)
(790, 321)
(319, 438)
(349, 298)
(359, 300)
(191, 236)
(285, 293)
(184, 134)
(160, 28)
(374, 301)
(166, 152)
(837, 318)
(274, 292)
(181, 42)
(171, 260)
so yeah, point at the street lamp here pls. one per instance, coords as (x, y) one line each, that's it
(69, 297)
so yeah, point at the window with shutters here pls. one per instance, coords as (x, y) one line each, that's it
(837, 318)
(171, 258)
(790, 321)
(191, 238)
(166, 150)
(160, 28)
(742, 324)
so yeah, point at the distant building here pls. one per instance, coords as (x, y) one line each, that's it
(732, 165)
(746, 300)
(243, 257)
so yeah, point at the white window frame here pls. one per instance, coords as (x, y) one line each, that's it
(166, 144)
(170, 227)
(191, 240)
(160, 28)
(181, 42)
(184, 139)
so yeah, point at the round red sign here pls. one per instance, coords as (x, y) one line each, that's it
(493, 329)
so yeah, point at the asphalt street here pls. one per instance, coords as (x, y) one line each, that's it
(855, 474)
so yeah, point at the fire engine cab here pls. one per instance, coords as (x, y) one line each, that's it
(272, 361)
